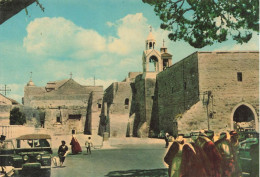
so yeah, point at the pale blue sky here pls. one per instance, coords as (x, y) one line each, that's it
(104, 38)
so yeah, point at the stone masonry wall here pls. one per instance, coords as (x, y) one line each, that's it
(218, 74)
(139, 119)
(177, 91)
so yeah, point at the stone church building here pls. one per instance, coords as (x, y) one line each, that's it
(65, 106)
(206, 90)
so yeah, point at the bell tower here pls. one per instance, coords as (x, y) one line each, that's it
(151, 57)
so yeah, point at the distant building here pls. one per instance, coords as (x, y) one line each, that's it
(6, 105)
(65, 106)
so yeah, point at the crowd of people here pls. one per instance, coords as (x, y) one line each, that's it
(201, 156)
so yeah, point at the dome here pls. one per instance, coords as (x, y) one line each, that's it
(30, 83)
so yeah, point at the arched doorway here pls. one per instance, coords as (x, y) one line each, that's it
(244, 117)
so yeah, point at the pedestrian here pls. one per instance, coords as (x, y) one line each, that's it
(234, 151)
(166, 139)
(88, 145)
(224, 147)
(75, 146)
(63, 149)
(210, 156)
(173, 157)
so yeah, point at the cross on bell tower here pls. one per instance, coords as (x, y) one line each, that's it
(70, 75)
(151, 28)
(163, 42)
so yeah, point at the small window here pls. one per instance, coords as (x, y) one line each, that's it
(239, 76)
(74, 116)
(126, 101)
(99, 105)
(58, 119)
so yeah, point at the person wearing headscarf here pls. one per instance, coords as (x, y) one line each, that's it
(224, 147)
(234, 148)
(75, 146)
(192, 164)
(209, 155)
(173, 157)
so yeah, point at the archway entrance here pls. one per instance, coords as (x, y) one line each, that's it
(153, 63)
(244, 117)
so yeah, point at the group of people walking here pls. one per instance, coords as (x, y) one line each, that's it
(75, 148)
(202, 157)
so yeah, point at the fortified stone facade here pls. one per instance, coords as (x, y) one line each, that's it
(209, 90)
(117, 107)
(206, 90)
(65, 107)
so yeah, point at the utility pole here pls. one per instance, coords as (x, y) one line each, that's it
(5, 89)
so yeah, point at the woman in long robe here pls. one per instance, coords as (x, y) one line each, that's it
(75, 146)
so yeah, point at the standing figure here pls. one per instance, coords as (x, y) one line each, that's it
(62, 152)
(166, 140)
(75, 146)
(173, 158)
(234, 150)
(210, 157)
(191, 164)
(88, 145)
(224, 147)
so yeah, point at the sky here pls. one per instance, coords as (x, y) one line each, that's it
(88, 38)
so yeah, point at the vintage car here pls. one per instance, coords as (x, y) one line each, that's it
(249, 156)
(245, 133)
(6, 158)
(33, 155)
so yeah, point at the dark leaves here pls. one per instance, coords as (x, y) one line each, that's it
(203, 22)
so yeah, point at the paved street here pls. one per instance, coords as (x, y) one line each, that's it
(124, 160)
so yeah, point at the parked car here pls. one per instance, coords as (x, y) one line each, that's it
(33, 155)
(245, 133)
(6, 158)
(249, 156)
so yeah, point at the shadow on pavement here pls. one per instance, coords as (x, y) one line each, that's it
(163, 172)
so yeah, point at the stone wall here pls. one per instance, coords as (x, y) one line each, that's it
(118, 98)
(218, 74)
(178, 90)
(143, 97)
(212, 92)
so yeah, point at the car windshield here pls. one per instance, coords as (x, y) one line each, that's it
(33, 143)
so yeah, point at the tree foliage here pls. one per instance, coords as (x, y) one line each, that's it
(204, 22)
(17, 117)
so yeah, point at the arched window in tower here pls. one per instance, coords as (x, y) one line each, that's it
(153, 63)
(126, 103)
(153, 44)
(150, 45)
